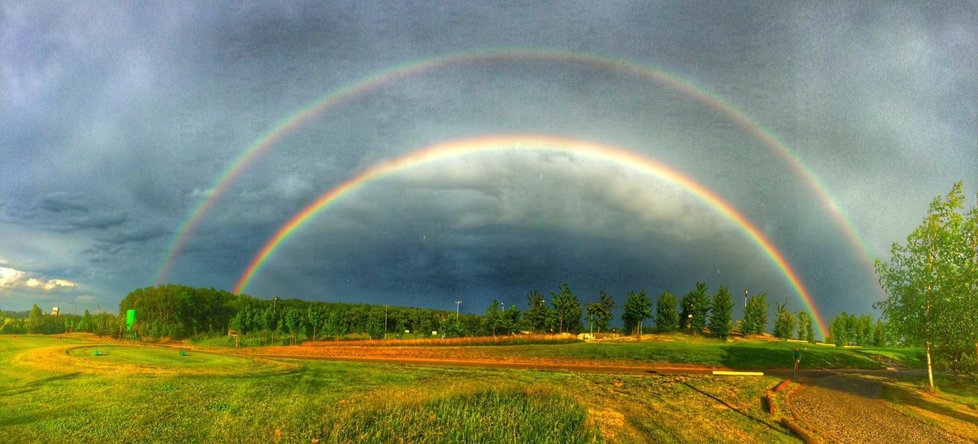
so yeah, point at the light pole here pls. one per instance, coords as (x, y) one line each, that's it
(745, 298)
(457, 304)
(690, 322)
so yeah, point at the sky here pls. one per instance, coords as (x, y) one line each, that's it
(829, 126)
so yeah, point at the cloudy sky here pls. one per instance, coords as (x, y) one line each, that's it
(117, 120)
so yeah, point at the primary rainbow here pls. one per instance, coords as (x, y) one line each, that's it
(370, 83)
(505, 143)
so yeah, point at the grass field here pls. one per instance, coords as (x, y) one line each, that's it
(57, 390)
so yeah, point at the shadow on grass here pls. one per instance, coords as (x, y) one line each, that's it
(36, 384)
(910, 397)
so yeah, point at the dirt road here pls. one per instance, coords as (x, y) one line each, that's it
(844, 408)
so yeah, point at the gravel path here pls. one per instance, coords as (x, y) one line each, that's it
(848, 409)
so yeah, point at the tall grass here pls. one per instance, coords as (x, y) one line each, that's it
(504, 416)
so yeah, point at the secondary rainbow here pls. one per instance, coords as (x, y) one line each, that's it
(507, 143)
(370, 83)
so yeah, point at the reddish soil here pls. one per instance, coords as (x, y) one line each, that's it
(464, 357)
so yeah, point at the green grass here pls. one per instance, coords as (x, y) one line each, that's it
(45, 401)
(682, 349)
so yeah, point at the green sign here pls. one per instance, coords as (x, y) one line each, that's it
(130, 318)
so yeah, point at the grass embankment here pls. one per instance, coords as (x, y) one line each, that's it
(683, 349)
(343, 402)
(952, 407)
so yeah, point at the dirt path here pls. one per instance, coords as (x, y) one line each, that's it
(843, 408)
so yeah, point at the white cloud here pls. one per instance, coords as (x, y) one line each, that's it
(12, 278)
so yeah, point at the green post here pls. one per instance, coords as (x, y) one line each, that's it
(130, 321)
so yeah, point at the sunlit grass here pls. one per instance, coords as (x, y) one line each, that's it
(348, 402)
(952, 407)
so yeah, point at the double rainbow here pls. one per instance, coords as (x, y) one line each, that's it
(502, 144)
(371, 83)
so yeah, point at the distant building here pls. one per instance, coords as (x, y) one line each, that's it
(54, 311)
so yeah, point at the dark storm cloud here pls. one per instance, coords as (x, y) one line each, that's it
(117, 119)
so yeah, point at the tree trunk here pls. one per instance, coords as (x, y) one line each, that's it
(930, 370)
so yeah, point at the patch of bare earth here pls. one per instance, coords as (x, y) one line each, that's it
(847, 409)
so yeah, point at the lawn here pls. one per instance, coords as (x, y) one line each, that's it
(157, 395)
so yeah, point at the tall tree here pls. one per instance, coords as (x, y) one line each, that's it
(696, 306)
(493, 318)
(721, 313)
(666, 314)
(35, 320)
(804, 323)
(638, 308)
(927, 281)
(567, 309)
(784, 323)
(755, 315)
(537, 312)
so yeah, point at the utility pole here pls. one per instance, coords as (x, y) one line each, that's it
(457, 304)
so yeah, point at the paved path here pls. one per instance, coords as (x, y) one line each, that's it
(847, 409)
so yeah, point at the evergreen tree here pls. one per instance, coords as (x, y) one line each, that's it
(666, 314)
(721, 313)
(755, 315)
(784, 323)
(697, 304)
(537, 313)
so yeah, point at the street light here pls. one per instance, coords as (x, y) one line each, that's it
(690, 322)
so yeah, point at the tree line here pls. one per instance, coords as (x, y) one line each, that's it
(36, 321)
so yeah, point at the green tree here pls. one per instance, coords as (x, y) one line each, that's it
(806, 329)
(804, 322)
(315, 316)
(537, 312)
(839, 329)
(638, 308)
(879, 334)
(755, 315)
(697, 304)
(493, 318)
(600, 313)
(721, 313)
(567, 309)
(35, 320)
(784, 323)
(666, 314)
(929, 284)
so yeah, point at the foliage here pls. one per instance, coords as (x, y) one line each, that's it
(695, 307)
(638, 308)
(666, 314)
(784, 323)
(600, 313)
(932, 284)
(721, 312)
(493, 318)
(566, 309)
(755, 315)
(537, 312)
(806, 330)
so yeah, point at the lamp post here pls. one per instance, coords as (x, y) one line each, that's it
(689, 323)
